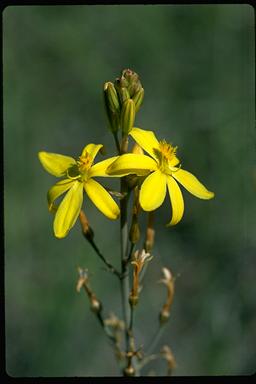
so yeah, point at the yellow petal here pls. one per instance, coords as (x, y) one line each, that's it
(55, 164)
(174, 161)
(192, 184)
(176, 201)
(68, 210)
(57, 190)
(99, 169)
(153, 191)
(92, 150)
(146, 139)
(102, 199)
(131, 163)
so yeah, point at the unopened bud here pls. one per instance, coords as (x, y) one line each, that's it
(132, 78)
(124, 94)
(112, 106)
(86, 229)
(111, 97)
(121, 82)
(138, 99)
(121, 85)
(128, 85)
(134, 234)
(127, 116)
(149, 243)
(150, 233)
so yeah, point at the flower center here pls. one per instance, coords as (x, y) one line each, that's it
(165, 153)
(84, 163)
(167, 150)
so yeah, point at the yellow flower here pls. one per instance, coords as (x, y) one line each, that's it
(161, 173)
(78, 176)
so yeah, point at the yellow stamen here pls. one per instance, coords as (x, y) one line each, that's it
(165, 153)
(167, 150)
(84, 162)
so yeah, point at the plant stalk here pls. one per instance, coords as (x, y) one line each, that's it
(125, 276)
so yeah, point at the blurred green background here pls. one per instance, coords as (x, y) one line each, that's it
(196, 63)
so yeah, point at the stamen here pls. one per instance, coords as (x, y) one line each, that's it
(165, 153)
(84, 162)
(167, 150)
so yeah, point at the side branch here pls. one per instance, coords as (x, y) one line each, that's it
(88, 234)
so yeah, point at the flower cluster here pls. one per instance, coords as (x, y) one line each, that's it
(158, 170)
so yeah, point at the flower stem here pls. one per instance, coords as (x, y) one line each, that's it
(117, 142)
(147, 360)
(110, 336)
(129, 258)
(124, 242)
(101, 321)
(155, 339)
(111, 268)
(130, 330)
(89, 235)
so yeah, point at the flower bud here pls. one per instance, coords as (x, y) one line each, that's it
(132, 78)
(149, 243)
(86, 229)
(112, 106)
(127, 85)
(111, 97)
(122, 90)
(150, 233)
(127, 116)
(124, 94)
(134, 234)
(138, 99)
(121, 82)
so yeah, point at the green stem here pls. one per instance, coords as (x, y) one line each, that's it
(155, 339)
(147, 360)
(125, 277)
(117, 142)
(131, 319)
(130, 253)
(111, 268)
(110, 336)
(98, 312)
